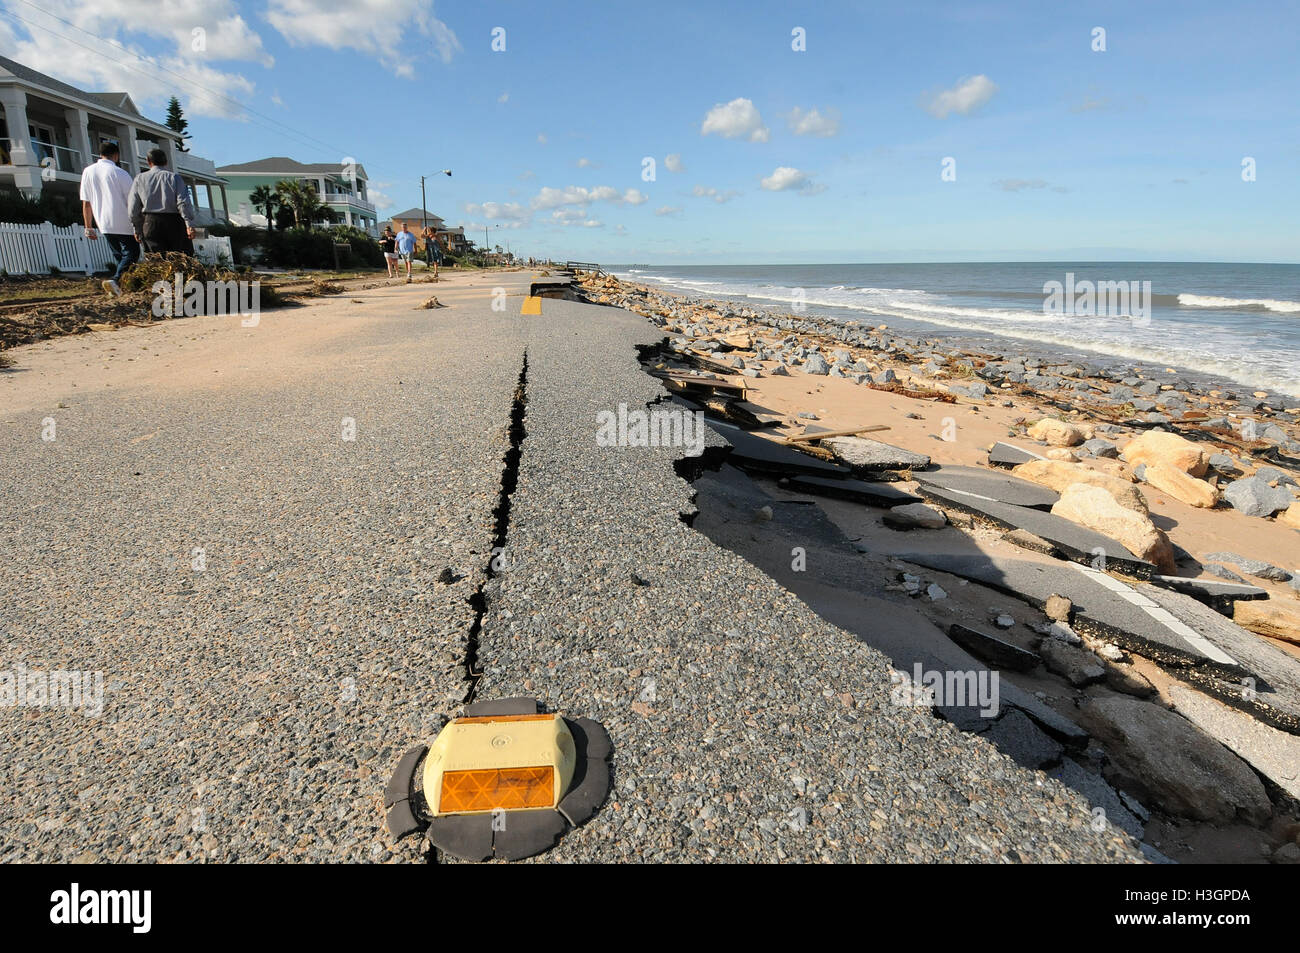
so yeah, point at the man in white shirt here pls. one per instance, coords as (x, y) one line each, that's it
(105, 192)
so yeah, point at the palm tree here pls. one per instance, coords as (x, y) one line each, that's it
(266, 200)
(301, 198)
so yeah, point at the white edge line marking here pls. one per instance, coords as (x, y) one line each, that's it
(1160, 614)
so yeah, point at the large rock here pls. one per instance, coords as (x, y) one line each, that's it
(1254, 497)
(816, 364)
(1058, 475)
(1181, 486)
(1093, 507)
(1166, 761)
(1056, 433)
(1157, 446)
(1272, 617)
(915, 516)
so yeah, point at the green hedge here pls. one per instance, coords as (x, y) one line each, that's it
(21, 210)
(301, 247)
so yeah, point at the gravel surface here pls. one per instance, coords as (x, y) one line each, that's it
(255, 709)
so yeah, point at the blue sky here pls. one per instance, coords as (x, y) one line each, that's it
(833, 153)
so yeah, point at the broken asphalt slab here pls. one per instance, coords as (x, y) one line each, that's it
(1190, 640)
(873, 456)
(1007, 455)
(1070, 539)
(857, 491)
(1216, 594)
(766, 456)
(992, 486)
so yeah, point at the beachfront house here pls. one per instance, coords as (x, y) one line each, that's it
(50, 131)
(341, 187)
(415, 219)
(455, 240)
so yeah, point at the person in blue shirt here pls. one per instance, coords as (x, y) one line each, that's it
(406, 248)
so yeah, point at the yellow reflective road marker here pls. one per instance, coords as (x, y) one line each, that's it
(503, 762)
(503, 781)
(532, 305)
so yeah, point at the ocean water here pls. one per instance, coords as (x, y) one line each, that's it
(1215, 322)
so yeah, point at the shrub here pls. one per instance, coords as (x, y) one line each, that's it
(22, 210)
(300, 247)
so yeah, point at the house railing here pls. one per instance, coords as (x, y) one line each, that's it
(63, 158)
(37, 249)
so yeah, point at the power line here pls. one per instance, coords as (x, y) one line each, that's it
(210, 95)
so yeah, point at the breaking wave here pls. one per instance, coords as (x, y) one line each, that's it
(1255, 304)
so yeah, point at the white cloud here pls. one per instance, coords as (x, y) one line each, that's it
(376, 194)
(673, 162)
(374, 27)
(969, 94)
(1020, 185)
(578, 196)
(504, 98)
(668, 210)
(787, 179)
(526, 175)
(813, 123)
(541, 138)
(738, 119)
(708, 192)
(499, 211)
(113, 59)
(585, 163)
(574, 217)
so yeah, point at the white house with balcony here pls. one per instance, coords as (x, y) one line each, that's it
(341, 187)
(50, 131)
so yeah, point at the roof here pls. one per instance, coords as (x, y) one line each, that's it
(412, 214)
(283, 165)
(118, 102)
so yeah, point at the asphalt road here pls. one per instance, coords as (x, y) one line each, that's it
(265, 601)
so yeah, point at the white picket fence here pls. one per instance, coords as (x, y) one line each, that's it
(36, 249)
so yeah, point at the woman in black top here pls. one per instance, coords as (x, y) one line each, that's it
(388, 244)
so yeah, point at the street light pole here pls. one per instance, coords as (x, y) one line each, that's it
(424, 211)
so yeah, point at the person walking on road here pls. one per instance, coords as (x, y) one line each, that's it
(161, 210)
(406, 248)
(388, 245)
(105, 201)
(432, 250)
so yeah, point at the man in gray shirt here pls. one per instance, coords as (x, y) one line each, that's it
(161, 211)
